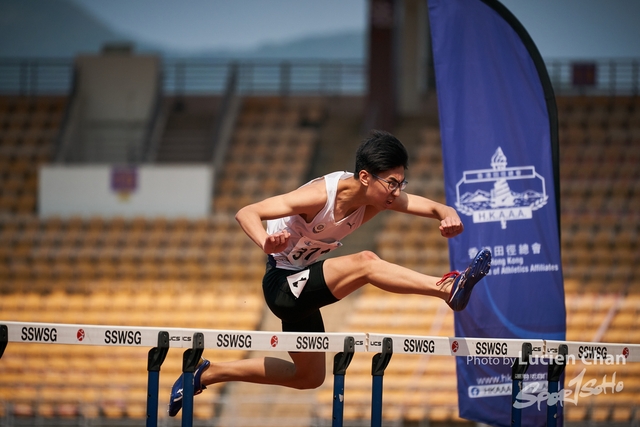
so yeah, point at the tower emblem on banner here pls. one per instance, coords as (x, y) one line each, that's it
(486, 194)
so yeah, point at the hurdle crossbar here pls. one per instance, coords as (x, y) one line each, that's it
(503, 347)
(144, 336)
(555, 352)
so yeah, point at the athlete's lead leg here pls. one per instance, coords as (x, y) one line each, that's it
(346, 274)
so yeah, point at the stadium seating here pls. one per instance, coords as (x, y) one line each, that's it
(148, 271)
(28, 131)
(270, 154)
(133, 271)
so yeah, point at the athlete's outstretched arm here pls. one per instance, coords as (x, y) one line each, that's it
(450, 222)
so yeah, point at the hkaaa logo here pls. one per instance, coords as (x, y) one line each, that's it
(487, 195)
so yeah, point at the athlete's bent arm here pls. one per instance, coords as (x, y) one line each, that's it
(450, 222)
(306, 201)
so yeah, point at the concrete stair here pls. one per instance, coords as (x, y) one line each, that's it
(188, 132)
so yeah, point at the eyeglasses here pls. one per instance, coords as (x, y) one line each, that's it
(393, 185)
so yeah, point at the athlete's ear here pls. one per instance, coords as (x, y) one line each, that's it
(364, 177)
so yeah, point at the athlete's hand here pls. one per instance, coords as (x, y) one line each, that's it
(276, 242)
(451, 226)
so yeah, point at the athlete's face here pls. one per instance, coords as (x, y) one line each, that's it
(388, 185)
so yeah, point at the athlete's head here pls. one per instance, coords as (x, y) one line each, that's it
(380, 152)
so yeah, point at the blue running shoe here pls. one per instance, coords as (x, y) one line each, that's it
(175, 402)
(464, 282)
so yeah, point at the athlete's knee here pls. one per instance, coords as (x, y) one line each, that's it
(310, 379)
(310, 370)
(368, 256)
(367, 263)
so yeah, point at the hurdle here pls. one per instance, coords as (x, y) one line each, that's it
(195, 341)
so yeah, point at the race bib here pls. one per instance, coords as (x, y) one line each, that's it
(308, 251)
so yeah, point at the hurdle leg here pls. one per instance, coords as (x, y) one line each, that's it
(154, 362)
(556, 368)
(518, 370)
(378, 365)
(4, 338)
(341, 362)
(190, 360)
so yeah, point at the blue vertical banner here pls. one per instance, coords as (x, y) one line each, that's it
(498, 124)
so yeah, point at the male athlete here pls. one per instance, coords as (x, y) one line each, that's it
(309, 222)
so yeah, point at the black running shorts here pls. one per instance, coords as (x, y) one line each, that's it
(297, 314)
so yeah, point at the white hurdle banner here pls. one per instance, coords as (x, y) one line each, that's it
(143, 336)
(522, 351)
(498, 347)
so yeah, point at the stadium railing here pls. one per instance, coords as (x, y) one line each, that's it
(42, 76)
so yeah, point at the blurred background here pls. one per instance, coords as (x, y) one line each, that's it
(131, 133)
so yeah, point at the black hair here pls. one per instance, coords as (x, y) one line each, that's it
(380, 152)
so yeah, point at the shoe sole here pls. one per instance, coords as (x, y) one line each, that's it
(479, 269)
